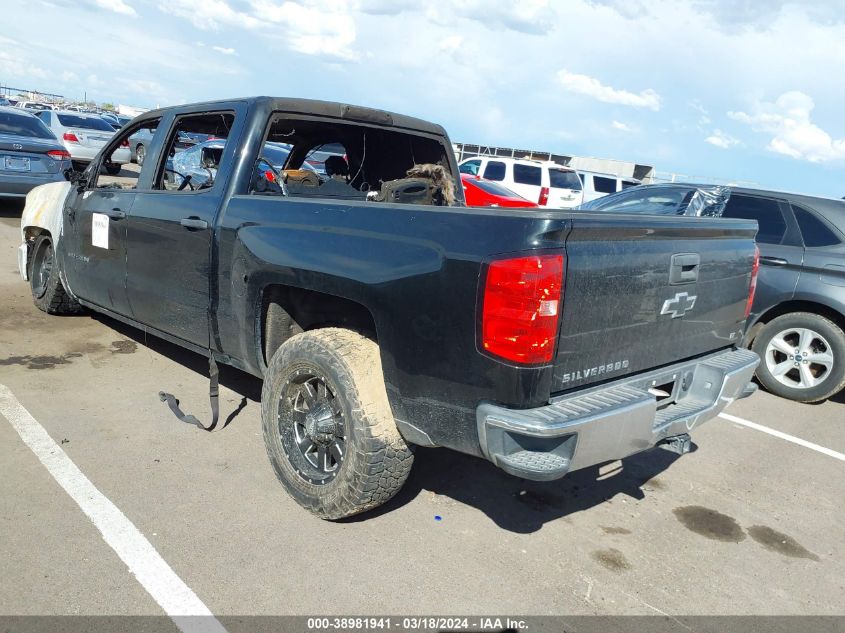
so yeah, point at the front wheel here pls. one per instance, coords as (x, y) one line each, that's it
(48, 293)
(140, 154)
(802, 357)
(328, 428)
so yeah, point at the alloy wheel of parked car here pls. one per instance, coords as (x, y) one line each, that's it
(803, 357)
(311, 427)
(799, 357)
(140, 155)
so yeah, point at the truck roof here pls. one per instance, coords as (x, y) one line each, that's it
(333, 109)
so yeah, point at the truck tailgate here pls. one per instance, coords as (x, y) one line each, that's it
(643, 292)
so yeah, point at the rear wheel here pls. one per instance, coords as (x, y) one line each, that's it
(328, 427)
(140, 154)
(48, 293)
(802, 357)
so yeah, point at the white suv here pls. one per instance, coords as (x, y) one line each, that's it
(546, 183)
(597, 185)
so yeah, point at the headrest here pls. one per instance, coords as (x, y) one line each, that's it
(336, 166)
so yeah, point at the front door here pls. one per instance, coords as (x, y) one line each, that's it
(172, 227)
(95, 224)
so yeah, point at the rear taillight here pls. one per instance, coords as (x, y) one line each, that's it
(752, 288)
(125, 143)
(544, 196)
(70, 137)
(521, 305)
(58, 154)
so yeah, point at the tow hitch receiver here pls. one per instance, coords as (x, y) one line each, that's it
(679, 444)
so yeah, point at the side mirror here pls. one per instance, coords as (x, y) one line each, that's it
(77, 178)
(74, 177)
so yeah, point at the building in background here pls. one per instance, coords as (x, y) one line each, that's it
(621, 168)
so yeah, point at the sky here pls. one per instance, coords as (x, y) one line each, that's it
(748, 91)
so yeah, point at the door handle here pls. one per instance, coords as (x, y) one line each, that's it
(684, 268)
(774, 261)
(193, 223)
(116, 214)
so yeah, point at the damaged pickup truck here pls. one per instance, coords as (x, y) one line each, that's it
(382, 313)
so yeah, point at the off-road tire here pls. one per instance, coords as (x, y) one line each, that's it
(377, 459)
(51, 296)
(832, 333)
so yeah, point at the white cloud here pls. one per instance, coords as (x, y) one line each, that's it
(631, 9)
(793, 132)
(704, 115)
(313, 27)
(118, 6)
(16, 66)
(622, 127)
(721, 139)
(533, 17)
(451, 44)
(209, 15)
(592, 87)
(224, 51)
(386, 7)
(732, 15)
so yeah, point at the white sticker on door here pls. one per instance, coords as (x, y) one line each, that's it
(99, 230)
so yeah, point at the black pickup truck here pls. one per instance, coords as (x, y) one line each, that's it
(382, 313)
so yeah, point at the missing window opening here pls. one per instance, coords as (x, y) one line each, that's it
(348, 161)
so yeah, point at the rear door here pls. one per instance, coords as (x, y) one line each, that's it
(526, 181)
(603, 185)
(643, 292)
(823, 273)
(781, 249)
(495, 170)
(172, 226)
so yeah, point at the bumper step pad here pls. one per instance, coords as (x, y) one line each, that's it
(615, 420)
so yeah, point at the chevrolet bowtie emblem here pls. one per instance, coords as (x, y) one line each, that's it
(679, 305)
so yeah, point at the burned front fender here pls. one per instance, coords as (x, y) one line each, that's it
(42, 213)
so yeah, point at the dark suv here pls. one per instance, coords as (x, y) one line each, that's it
(798, 317)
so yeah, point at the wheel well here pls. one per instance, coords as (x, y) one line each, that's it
(286, 311)
(789, 307)
(31, 233)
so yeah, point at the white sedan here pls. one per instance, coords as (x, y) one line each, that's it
(84, 135)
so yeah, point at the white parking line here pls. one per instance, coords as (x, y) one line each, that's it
(784, 436)
(150, 569)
